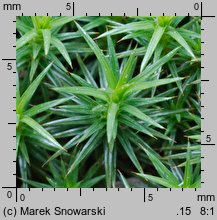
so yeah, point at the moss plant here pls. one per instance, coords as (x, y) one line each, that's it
(129, 108)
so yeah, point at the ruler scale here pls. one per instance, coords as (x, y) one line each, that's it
(119, 202)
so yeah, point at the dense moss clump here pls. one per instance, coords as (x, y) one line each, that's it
(108, 101)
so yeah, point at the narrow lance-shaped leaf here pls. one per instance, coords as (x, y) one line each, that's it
(35, 22)
(95, 127)
(149, 70)
(110, 76)
(91, 182)
(44, 106)
(47, 39)
(137, 113)
(82, 82)
(178, 37)
(133, 123)
(67, 146)
(129, 150)
(25, 98)
(86, 72)
(21, 26)
(57, 62)
(97, 93)
(110, 166)
(113, 56)
(91, 144)
(35, 50)
(34, 66)
(174, 72)
(24, 151)
(60, 46)
(134, 26)
(158, 33)
(159, 135)
(135, 87)
(124, 180)
(147, 101)
(127, 71)
(38, 128)
(188, 168)
(23, 168)
(157, 180)
(59, 22)
(111, 118)
(157, 54)
(17, 88)
(25, 39)
(163, 171)
(18, 136)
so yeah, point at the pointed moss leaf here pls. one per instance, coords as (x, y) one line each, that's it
(17, 120)
(174, 72)
(68, 133)
(35, 50)
(110, 166)
(135, 139)
(96, 93)
(137, 113)
(47, 39)
(86, 72)
(38, 128)
(81, 81)
(24, 151)
(59, 22)
(129, 150)
(25, 39)
(135, 87)
(177, 20)
(157, 180)
(133, 26)
(17, 88)
(113, 57)
(35, 22)
(163, 171)
(111, 118)
(159, 134)
(132, 123)
(188, 169)
(95, 127)
(67, 146)
(89, 147)
(23, 168)
(44, 106)
(149, 70)
(25, 98)
(124, 180)
(178, 37)
(147, 101)
(110, 76)
(158, 33)
(21, 26)
(127, 71)
(75, 120)
(18, 136)
(92, 182)
(57, 62)
(34, 66)
(60, 46)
